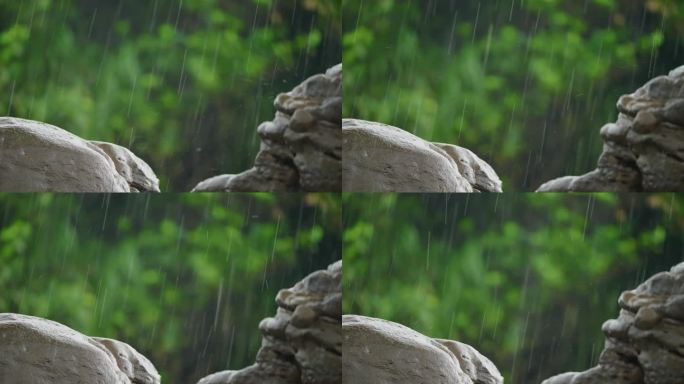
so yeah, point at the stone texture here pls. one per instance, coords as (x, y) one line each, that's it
(383, 158)
(383, 352)
(139, 176)
(38, 157)
(301, 149)
(644, 149)
(39, 351)
(302, 344)
(645, 344)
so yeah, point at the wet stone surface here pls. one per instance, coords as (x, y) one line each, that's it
(38, 157)
(383, 352)
(40, 351)
(383, 158)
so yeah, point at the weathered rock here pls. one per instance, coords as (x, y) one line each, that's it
(383, 352)
(136, 172)
(645, 344)
(383, 158)
(38, 157)
(302, 344)
(644, 149)
(39, 351)
(301, 149)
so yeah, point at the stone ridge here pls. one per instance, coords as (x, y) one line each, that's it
(302, 343)
(645, 344)
(644, 149)
(301, 149)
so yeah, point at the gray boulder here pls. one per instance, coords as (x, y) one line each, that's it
(645, 344)
(383, 158)
(301, 149)
(644, 149)
(38, 157)
(302, 344)
(383, 352)
(39, 351)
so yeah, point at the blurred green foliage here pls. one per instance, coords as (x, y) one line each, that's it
(182, 83)
(526, 279)
(185, 279)
(524, 84)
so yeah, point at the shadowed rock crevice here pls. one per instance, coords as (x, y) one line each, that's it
(645, 344)
(38, 157)
(301, 149)
(302, 344)
(39, 351)
(644, 149)
(383, 352)
(383, 158)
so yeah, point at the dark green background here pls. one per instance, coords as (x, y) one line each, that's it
(182, 83)
(526, 85)
(527, 279)
(185, 279)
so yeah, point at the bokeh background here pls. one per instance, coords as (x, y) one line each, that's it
(185, 279)
(527, 279)
(524, 84)
(182, 83)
